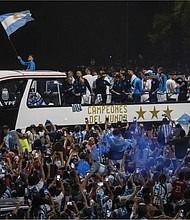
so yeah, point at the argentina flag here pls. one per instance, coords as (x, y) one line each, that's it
(13, 21)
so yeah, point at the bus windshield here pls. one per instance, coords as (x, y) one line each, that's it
(45, 92)
(11, 92)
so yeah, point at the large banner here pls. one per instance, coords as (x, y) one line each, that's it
(142, 112)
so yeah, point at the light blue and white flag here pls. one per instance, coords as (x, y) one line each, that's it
(13, 21)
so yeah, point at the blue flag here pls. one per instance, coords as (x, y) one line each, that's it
(13, 21)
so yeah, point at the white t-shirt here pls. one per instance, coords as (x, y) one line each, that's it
(146, 85)
(171, 86)
(58, 201)
(39, 185)
(90, 79)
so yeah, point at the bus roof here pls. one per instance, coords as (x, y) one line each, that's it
(10, 74)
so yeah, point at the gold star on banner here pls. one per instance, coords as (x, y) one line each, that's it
(168, 111)
(154, 113)
(140, 113)
(15, 17)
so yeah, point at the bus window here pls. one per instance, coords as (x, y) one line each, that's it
(11, 92)
(45, 92)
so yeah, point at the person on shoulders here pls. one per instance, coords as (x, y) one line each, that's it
(31, 66)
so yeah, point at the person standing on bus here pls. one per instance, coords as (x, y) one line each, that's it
(171, 88)
(136, 86)
(31, 66)
(117, 89)
(100, 88)
(70, 74)
(82, 83)
(80, 91)
(90, 78)
(162, 78)
(126, 87)
(182, 88)
(69, 91)
(154, 88)
(146, 85)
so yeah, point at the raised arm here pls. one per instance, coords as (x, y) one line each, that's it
(22, 62)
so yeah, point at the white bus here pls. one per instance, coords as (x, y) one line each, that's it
(33, 97)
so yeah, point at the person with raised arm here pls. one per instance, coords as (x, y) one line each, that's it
(31, 66)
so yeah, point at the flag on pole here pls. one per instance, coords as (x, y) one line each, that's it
(13, 21)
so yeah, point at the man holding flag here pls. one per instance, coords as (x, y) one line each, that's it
(30, 64)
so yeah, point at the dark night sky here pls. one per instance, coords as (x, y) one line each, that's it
(66, 34)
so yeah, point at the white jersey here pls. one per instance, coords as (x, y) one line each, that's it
(90, 79)
(171, 87)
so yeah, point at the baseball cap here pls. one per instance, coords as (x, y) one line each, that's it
(5, 126)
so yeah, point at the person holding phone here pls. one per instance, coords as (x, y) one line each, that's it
(68, 140)
(57, 191)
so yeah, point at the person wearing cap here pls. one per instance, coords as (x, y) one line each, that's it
(149, 72)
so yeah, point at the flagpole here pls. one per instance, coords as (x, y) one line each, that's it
(13, 46)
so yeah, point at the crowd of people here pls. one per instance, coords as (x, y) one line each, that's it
(122, 170)
(111, 86)
(118, 85)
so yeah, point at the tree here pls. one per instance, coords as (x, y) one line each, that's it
(170, 32)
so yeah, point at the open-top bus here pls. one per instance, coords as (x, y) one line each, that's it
(25, 99)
